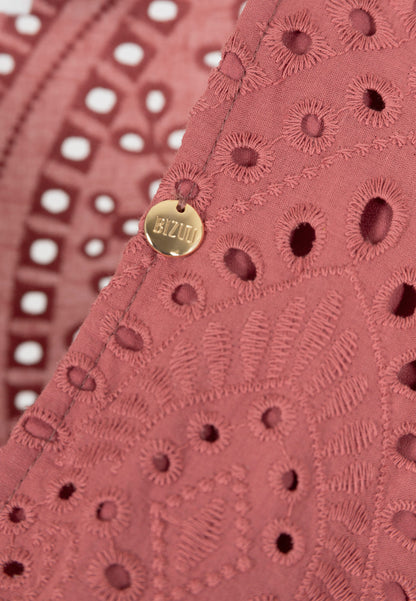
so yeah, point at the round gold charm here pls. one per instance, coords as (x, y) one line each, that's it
(172, 232)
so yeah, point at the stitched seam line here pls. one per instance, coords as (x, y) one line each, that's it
(278, 3)
(154, 260)
(31, 465)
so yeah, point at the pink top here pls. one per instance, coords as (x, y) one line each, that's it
(237, 424)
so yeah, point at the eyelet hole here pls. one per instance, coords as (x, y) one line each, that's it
(394, 592)
(406, 446)
(161, 462)
(363, 22)
(373, 100)
(187, 189)
(232, 66)
(209, 433)
(80, 379)
(284, 543)
(184, 294)
(312, 126)
(376, 220)
(118, 577)
(290, 480)
(407, 375)
(271, 417)
(405, 522)
(245, 156)
(13, 568)
(17, 515)
(129, 339)
(66, 491)
(297, 41)
(302, 239)
(240, 263)
(403, 301)
(106, 511)
(39, 428)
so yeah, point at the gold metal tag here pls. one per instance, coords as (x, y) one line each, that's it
(172, 232)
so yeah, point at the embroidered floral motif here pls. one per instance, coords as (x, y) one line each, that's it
(208, 432)
(183, 368)
(271, 417)
(116, 575)
(403, 446)
(200, 535)
(17, 515)
(352, 515)
(271, 359)
(183, 294)
(301, 234)
(283, 542)
(311, 126)
(244, 156)
(374, 101)
(395, 302)
(128, 338)
(161, 461)
(399, 521)
(351, 439)
(254, 342)
(186, 181)
(239, 260)
(107, 513)
(349, 557)
(377, 216)
(288, 479)
(79, 377)
(217, 348)
(361, 24)
(332, 578)
(65, 491)
(296, 43)
(401, 374)
(15, 568)
(39, 427)
(355, 479)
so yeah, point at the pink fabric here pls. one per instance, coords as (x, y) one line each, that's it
(81, 50)
(239, 423)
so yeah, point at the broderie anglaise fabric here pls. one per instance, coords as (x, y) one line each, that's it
(239, 424)
(94, 100)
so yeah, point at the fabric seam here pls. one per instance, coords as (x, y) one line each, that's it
(153, 262)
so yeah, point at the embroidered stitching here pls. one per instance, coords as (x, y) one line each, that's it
(153, 261)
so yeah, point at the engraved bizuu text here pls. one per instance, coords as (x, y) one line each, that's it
(175, 229)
